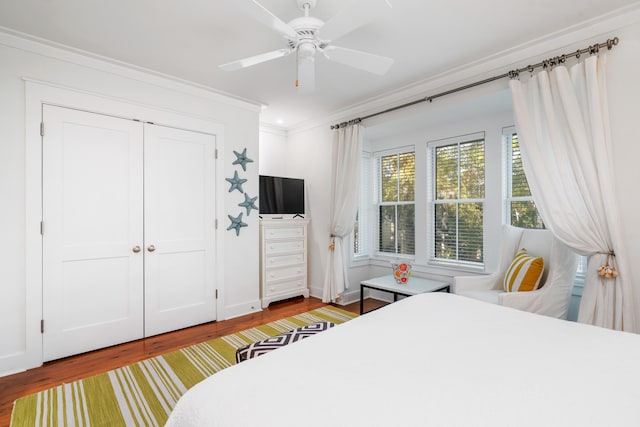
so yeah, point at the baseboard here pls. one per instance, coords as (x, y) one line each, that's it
(350, 296)
(14, 371)
(241, 309)
(315, 292)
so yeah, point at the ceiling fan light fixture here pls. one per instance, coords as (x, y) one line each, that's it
(306, 34)
(306, 50)
(305, 81)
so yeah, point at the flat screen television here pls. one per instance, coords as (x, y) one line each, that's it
(280, 195)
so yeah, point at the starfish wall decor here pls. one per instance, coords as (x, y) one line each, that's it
(242, 159)
(236, 182)
(249, 203)
(236, 222)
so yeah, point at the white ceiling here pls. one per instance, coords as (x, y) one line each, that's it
(189, 39)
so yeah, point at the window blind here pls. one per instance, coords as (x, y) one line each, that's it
(457, 199)
(521, 208)
(396, 206)
(361, 229)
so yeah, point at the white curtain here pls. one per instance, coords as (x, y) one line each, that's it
(347, 150)
(562, 120)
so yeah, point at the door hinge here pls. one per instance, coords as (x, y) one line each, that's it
(42, 326)
(216, 154)
(216, 224)
(42, 228)
(41, 128)
(216, 294)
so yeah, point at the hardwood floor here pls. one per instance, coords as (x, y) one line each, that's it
(72, 368)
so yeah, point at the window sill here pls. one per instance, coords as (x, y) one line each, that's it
(432, 267)
(361, 261)
(465, 267)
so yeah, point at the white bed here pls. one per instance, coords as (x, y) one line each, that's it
(431, 360)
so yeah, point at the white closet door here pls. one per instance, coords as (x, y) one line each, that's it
(93, 220)
(179, 229)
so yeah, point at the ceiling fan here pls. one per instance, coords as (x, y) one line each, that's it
(307, 35)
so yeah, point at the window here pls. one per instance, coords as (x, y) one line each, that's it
(457, 199)
(520, 207)
(396, 203)
(361, 241)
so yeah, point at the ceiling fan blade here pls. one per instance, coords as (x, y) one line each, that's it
(263, 15)
(355, 14)
(355, 58)
(306, 81)
(253, 60)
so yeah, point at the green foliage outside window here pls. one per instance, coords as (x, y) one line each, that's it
(396, 211)
(522, 209)
(458, 204)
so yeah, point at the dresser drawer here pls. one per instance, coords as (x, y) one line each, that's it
(284, 260)
(274, 247)
(284, 232)
(279, 274)
(287, 286)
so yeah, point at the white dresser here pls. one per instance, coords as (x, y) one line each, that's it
(283, 259)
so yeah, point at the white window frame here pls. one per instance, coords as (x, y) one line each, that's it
(376, 203)
(508, 198)
(365, 212)
(431, 203)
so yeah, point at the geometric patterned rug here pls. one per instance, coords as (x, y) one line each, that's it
(259, 348)
(145, 393)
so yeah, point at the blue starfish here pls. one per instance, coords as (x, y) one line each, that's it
(236, 223)
(249, 203)
(236, 183)
(242, 159)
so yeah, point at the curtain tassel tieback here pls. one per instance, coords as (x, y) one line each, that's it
(607, 271)
(332, 245)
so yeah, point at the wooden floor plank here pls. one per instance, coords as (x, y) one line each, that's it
(73, 368)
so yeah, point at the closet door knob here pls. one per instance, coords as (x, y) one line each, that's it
(136, 249)
(151, 248)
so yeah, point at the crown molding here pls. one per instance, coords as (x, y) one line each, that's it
(273, 129)
(566, 40)
(47, 48)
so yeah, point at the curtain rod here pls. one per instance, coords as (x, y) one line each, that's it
(547, 63)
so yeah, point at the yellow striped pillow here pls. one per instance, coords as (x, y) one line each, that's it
(524, 274)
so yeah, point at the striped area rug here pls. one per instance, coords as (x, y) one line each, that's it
(144, 393)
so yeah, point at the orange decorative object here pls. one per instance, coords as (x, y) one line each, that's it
(401, 272)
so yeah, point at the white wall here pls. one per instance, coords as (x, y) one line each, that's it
(21, 58)
(272, 151)
(308, 146)
(309, 157)
(624, 93)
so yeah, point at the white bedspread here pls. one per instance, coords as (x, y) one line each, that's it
(431, 360)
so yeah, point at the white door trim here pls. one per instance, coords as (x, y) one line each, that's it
(36, 95)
